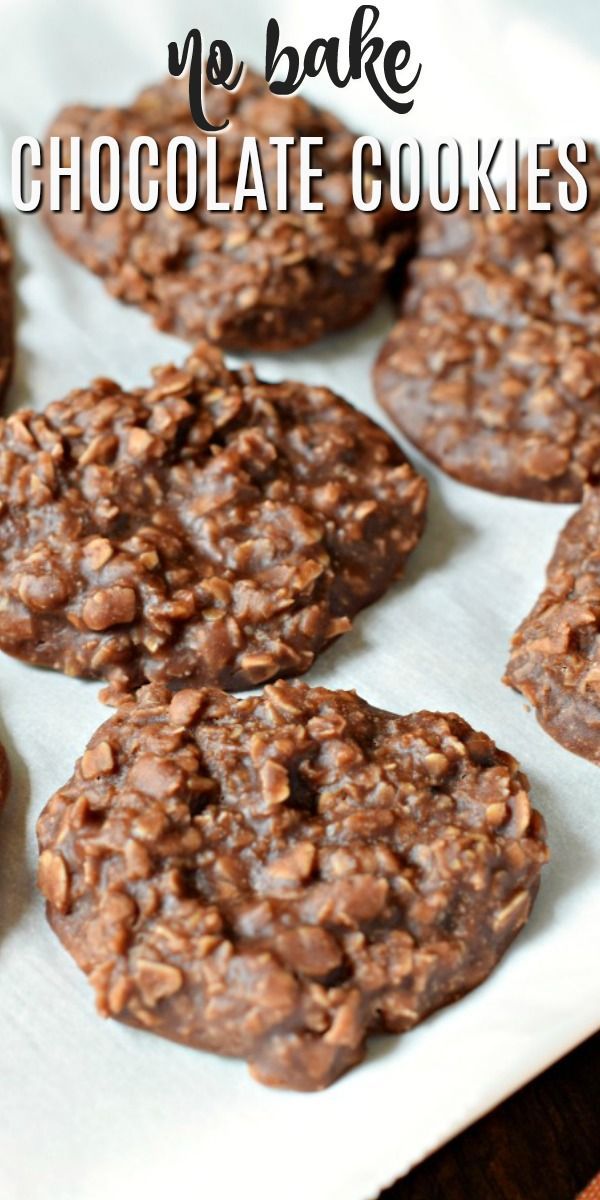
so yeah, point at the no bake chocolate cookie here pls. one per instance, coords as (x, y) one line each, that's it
(6, 312)
(555, 656)
(493, 369)
(258, 280)
(279, 876)
(209, 527)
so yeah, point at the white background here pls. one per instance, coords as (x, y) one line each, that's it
(91, 1109)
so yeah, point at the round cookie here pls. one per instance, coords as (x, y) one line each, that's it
(6, 312)
(555, 655)
(278, 876)
(245, 280)
(493, 369)
(210, 527)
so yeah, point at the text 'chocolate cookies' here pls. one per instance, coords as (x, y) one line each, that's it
(245, 280)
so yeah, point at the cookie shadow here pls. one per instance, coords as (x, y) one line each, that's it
(365, 339)
(444, 539)
(335, 352)
(16, 884)
(572, 862)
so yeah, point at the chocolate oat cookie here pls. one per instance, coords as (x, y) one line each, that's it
(493, 369)
(210, 527)
(6, 313)
(257, 280)
(279, 876)
(555, 656)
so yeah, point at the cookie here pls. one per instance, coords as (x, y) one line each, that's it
(6, 313)
(493, 369)
(210, 527)
(279, 876)
(555, 655)
(248, 280)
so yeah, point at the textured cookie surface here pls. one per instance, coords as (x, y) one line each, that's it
(268, 280)
(278, 876)
(555, 657)
(210, 527)
(6, 312)
(493, 369)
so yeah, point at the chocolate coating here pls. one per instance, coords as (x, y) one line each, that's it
(211, 527)
(493, 369)
(246, 280)
(555, 654)
(279, 876)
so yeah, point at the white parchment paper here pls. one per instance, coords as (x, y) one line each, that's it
(90, 1109)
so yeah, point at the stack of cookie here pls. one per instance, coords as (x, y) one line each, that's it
(280, 875)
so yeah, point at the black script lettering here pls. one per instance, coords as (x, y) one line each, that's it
(364, 53)
(219, 72)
